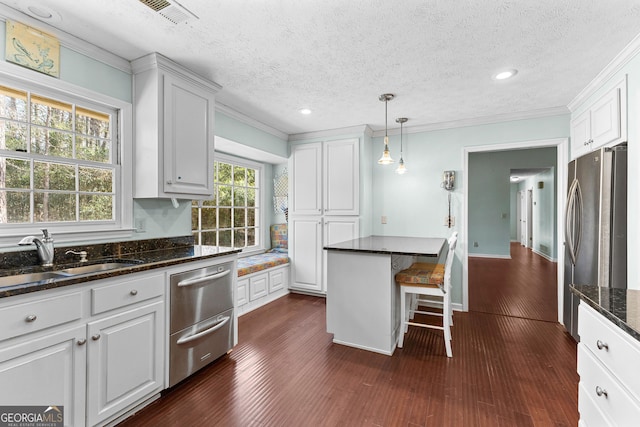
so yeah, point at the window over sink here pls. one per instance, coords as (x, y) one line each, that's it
(233, 218)
(60, 166)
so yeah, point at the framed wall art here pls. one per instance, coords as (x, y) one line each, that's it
(32, 48)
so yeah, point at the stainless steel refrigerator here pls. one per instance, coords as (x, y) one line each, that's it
(595, 226)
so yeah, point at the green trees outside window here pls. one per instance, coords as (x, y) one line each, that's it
(57, 160)
(230, 220)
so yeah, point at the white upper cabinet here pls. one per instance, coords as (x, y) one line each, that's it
(174, 130)
(306, 179)
(604, 123)
(341, 177)
(325, 178)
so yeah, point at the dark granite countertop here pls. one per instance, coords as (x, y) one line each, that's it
(418, 246)
(142, 261)
(621, 306)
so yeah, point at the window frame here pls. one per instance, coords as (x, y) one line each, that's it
(62, 232)
(260, 198)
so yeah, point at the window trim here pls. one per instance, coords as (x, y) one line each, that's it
(17, 76)
(260, 167)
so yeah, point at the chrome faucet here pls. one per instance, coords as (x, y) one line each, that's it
(44, 246)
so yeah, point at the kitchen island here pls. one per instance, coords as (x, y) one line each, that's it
(363, 301)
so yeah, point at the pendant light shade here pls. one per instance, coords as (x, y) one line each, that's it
(386, 156)
(402, 169)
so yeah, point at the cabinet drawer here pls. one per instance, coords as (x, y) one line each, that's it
(590, 414)
(612, 346)
(36, 315)
(617, 404)
(126, 292)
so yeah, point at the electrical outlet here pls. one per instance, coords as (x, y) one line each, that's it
(449, 221)
(141, 225)
(475, 244)
(383, 220)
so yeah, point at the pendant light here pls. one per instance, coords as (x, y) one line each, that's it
(401, 167)
(386, 157)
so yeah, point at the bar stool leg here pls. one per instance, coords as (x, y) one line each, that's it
(403, 316)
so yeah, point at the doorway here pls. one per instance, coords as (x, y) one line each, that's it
(561, 145)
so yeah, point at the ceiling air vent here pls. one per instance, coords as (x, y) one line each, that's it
(171, 10)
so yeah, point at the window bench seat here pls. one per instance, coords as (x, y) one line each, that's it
(264, 261)
(262, 279)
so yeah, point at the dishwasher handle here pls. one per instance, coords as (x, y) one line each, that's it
(197, 280)
(208, 331)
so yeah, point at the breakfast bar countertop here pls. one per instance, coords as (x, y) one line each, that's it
(416, 246)
(621, 306)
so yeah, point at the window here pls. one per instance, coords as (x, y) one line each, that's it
(59, 163)
(232, 218)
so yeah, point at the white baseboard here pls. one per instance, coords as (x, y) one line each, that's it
(490, 256)
(543, 255)
(252, 305)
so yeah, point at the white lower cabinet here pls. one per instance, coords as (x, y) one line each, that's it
(96, 348)
(307, 237)
(609, 390)
(258, 286)
(47, 371)
(123, 363)
(257, 289)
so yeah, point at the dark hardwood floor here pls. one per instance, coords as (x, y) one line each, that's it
(523, 286)
(506, 370)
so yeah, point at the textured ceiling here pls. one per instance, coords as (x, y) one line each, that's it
(335, 56)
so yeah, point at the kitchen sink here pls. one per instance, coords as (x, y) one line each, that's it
(95, 268)
(66, 273)
(19, 279)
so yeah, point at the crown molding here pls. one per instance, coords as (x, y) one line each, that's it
(243, 118)
(476, 121)
(616, 64)
(67, 40)
(329, 133)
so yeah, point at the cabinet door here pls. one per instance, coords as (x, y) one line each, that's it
(305, 250)
(305, 182)
(278, 279)
(48, 371)
(243, 292)
(341, 177)
(258, 286)
(125, 360)
(188, 138)
(605, 119)
(580, 134)
(336, 230)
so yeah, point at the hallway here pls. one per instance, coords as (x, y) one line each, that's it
(523, 286)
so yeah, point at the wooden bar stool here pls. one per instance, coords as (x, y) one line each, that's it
(426, 283)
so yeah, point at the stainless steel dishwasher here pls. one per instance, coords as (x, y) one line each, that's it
(201, 325)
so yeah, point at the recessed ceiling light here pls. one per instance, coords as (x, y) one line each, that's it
(506, 74)
(305, 111)
(42, 12)
(515, 178)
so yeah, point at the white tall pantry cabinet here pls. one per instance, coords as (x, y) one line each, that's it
(324, 192)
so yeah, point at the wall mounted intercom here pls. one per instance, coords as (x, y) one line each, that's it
(448, 180)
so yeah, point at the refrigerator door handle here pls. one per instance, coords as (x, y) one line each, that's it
(572, 215)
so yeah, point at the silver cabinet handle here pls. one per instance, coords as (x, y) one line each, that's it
(195, 281)
(601, 392)
(31, 318)
(133, 292)
(193, 337)
(602, 345)
(82, 341)
(95, 337)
